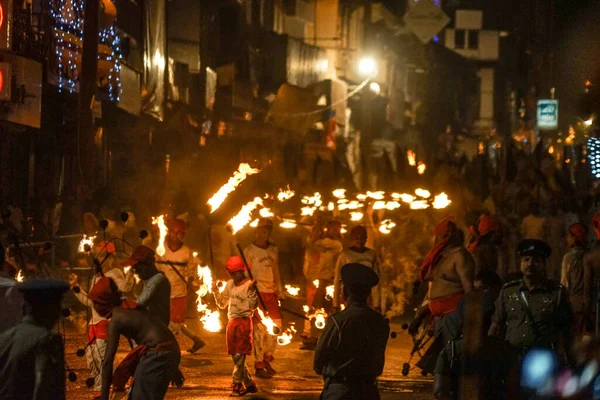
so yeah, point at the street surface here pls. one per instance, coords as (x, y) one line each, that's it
(208, 372)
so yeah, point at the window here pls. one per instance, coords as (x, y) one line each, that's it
(459, 39)
(473, 40)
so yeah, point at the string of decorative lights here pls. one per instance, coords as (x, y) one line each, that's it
(68, 20)
(593, 145)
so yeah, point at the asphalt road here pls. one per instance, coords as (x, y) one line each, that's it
(208, 372)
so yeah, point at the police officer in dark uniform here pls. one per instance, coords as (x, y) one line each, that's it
(534, 311)
(32, 360)
(350, 354)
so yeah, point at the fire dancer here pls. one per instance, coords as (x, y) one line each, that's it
(484, 249)
(98, 326)
(350, 354)
(240, 298)
(534, 311)
(572, 272)
(264, 258)
(329, 248)
(178, 266)
(357, 253)
(449, 269)
(32, 359)
(153, 363)
(155, 297)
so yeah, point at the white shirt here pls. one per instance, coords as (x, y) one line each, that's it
(368, 258)
(183, 255)
(264, 265)
(241, 301)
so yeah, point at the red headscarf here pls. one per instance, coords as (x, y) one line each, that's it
(579, 232)
(235, 263)
(444, 228)
(106, 297)
(487, 223)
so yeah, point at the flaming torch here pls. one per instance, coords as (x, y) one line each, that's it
(329, 292)
(86, 240)
(441, 201)
(284, 195)
(243, 216)
(288, 224)
(20, 277)
(292, 291)
(320, 317)
(386, 226)
(210, 319)
(421, 167)
(411, 157)
(238, 177)
(286, 337)
(160, 221)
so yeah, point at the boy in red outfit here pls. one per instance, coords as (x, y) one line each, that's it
(241, 299)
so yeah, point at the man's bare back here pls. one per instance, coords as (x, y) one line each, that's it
(454, 273)
(137, 325)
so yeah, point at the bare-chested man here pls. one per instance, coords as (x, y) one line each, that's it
(591, 275)
(449, 269)
(154, 362)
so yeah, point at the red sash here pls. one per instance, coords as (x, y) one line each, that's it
(445, 305)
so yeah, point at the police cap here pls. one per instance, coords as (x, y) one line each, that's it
(359, 275)
(534, 247)
(42, 290)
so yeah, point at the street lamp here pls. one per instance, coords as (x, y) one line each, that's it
(367, 66)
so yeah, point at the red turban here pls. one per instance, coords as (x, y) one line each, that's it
(435, 254)
(579, 232)
(487, 224)
(235, 263)
(443, 227)
(177, 225)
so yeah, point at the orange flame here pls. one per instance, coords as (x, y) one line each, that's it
(267, 322)
(284, 195)
(243, 216)
(238, 177)
(160, 221)
(386, 226)
(421, 167)
(288, 224)
(89, 240)
(293, 291)
(210, 319)
(286, 337)
(411, 157)
(441, 201)
(20, 276)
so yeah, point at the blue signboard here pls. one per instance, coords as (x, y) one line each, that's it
(547, 114)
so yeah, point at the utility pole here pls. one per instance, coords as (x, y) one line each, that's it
(87, 89)
(366, 129)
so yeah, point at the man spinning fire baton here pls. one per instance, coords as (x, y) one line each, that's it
(178, 266)
(449, 269)
(264, 258)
